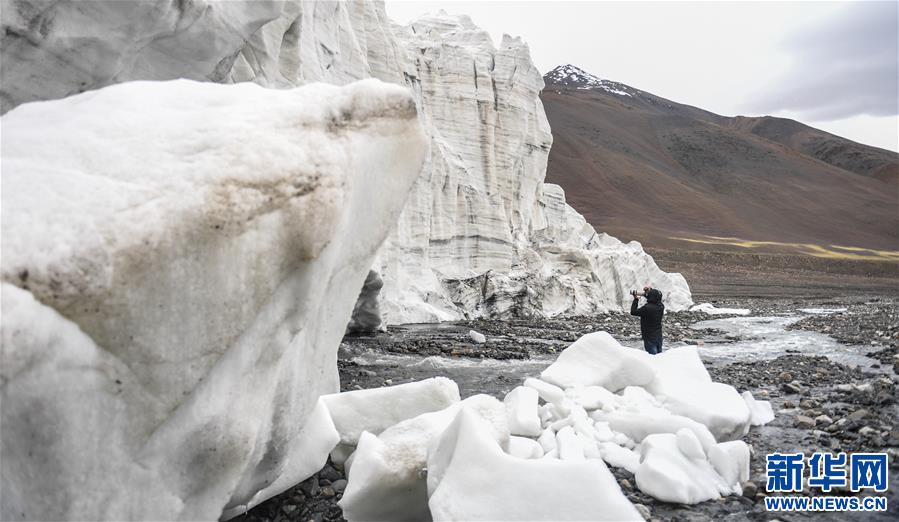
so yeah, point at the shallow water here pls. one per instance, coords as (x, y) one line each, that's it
(766, 337)
(490, 376)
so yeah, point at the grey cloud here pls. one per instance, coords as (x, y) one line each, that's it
(844, 67)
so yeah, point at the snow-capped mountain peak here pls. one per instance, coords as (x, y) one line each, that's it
(575, 77)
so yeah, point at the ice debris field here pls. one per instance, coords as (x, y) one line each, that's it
(417, 451)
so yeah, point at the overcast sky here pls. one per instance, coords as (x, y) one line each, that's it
(832, 65)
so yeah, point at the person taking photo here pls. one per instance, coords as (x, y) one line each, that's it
(650, 316)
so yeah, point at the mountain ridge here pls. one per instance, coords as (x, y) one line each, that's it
(839, 151)
(647, 168)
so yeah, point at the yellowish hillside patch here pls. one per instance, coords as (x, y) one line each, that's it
(829, 251)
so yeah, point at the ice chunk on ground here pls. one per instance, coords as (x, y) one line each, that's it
(673, 449)
(668, 475)
(376, 409)
(387, 478)
(597, 359)
(547, 440)
(761, 411)
(716, 405)
(521, 407)
(591, 448)
(210, 240)
(639, 426)
(684, 387)
(593, 397)
(636, 398)
(548, 392)
(546, 413)
(689, 444)
(731, 460)
(569, 445)
(508, 488)
(822, 311)
(525, 448)
(619, 457)
(602, 432)
(678, 364)
(477, 337)
(710, 309)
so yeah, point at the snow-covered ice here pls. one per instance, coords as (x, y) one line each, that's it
(571, 76)
(477, 337)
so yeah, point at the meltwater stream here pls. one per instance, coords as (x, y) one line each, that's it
(491, 376)
(741, 339)
(768, 338)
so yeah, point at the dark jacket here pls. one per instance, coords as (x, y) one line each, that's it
(650, 315)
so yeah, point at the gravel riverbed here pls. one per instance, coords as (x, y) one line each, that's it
(819, 404)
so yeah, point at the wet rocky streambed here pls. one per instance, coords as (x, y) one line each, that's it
(829, 368)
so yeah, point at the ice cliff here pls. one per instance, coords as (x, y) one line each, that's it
(480, 235)
(180, 260)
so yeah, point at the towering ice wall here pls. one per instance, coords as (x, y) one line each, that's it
(481, 234)
(67, 47)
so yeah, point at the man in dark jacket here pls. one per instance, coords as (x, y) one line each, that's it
(650, 316)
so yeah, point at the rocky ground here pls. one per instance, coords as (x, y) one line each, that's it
(875, 322)
(819, 405)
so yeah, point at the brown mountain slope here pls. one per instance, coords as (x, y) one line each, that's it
(846, 154)
(642, 167)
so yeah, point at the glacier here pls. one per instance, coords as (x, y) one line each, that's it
(177, 276)
(186, 233)
(480, 235)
